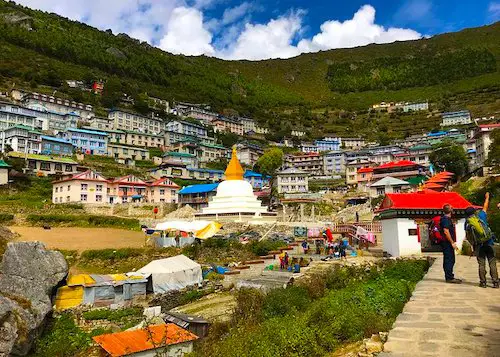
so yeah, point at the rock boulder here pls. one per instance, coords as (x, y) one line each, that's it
(29, 276)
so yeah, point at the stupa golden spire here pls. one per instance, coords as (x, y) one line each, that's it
(234, 171)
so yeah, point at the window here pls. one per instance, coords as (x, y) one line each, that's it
(162, 191)
(68, 168)
(67, 198)
(84, 187)
(56, 189)
(69, 187)
(380, 191)
(45, 166)
(98, 188)
(98, 198)
(83, 197)
(58, 167)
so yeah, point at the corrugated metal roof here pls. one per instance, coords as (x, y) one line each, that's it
(203, 188)
(152, 337)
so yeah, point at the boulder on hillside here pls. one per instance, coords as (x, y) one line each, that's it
(29, 276)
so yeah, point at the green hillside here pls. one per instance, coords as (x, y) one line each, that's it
(324, 92)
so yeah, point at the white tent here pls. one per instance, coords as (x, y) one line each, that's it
(172, 273)
(185, 226)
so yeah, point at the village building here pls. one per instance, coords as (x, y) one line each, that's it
(415, 106)
(127, 189)
(56, 146)
(126, 120)
(186, 128)
(248, 124)
(163, 190)
(298, 133)
(187, 159)
(400, 169)
(292, 180)
(157, 340)
(21, 138)
(248, 154)
(405, 218)
(364, 178)
(387, 185)
(85, 187)
(4, 173)
(223, 124)
(261, 130)
(101, 123)
(352, 167)
(195, 324)
(334, 162)
(328, 144)
(353, 143)
(482, 138)
(307, 147)
(257, 180)
(50, 103)
(127, 153)
(196, 111)
(114, 136)
(87, 141)
(101, 290)
(456, 118)
(419, 154)
(197, 196)
(143, 139)
(172, 137)
(158, 103)
(203, 152)
(205, 174)
(11, 115)
(310, 162)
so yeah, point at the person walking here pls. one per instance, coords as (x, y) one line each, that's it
(448, 244)
(481, 238)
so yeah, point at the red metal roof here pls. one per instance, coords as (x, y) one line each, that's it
(152, 337)
(433, 185)
(424, 200)
(161, 182)
(437, 179)
(486, 126)
(401, 163)
(365, 169)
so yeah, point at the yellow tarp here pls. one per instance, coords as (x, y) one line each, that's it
(80, 279)
(68, 297)
(118, 277)
(209, 231)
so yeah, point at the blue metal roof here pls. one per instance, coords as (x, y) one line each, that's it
(51, 138)
(439, 133)
(87, 131)
(250, 173)
(203, 188)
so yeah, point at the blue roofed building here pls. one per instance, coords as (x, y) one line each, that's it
(206, 174)
(56, 146)
(197, 196)
(87, 141)
(257, 180)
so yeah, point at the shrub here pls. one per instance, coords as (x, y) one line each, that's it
(264, 247)
(111, 315)
(279, 302)
(6, 218)
(249, 304)
(83, 220)
(110, 254)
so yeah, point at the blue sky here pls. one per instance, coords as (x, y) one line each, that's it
(257, 29)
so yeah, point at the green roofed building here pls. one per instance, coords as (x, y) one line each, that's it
(416, 180)
(44, 165)
(4, 173)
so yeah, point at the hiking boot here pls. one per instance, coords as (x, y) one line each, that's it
(482, 284)
(496, 285)
(454, 281)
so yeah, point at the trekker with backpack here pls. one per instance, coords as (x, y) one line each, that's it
(448, 244)
(480, 237)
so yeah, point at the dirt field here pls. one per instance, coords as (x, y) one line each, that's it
(80, 239)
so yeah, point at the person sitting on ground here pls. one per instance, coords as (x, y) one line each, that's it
(448, 244)
(305, 246)
(481, 238)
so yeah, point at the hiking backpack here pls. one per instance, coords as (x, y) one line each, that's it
(477, 231)
(435, 234)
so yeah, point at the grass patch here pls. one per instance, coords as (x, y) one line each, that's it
(112, 315)
(6, 218)
(83, 220)
(304, 320)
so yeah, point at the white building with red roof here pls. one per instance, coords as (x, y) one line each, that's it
(85, 187)
(405, 218)
(163, 190)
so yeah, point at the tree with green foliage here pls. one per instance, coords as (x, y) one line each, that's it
(450, 156)
(270, 162)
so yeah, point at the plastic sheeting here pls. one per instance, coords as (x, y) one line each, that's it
(68, 297)
(201, 229)
(172, 273)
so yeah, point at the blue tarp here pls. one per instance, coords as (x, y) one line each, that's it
(203, 188)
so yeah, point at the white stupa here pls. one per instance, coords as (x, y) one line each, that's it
(235, 195)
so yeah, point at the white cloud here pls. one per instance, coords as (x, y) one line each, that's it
(494, 10)
(235, 13)
(185, 33)
(178, 28)
(359, 31)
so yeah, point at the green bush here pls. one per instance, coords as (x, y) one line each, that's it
(279, 302)
(62, 338)
(83, 220)
(264, 247)
(112, 315)
(110, 254)
(6, 218)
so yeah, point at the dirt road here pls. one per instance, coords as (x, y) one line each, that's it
(80, 239)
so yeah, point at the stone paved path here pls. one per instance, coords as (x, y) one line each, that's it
(446, 319)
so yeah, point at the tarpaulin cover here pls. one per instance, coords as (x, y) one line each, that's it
(185, 226)
(172, 273)
(209, 231)
(68, 297)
